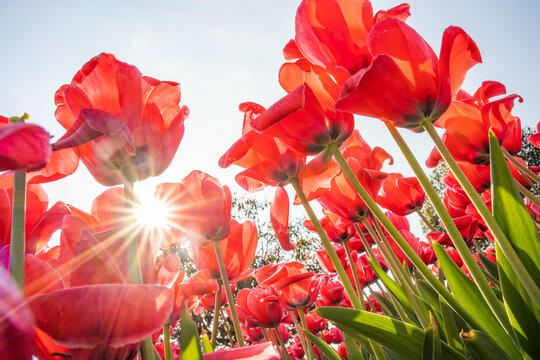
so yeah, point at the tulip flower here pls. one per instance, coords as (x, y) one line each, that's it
(238, 250)
(123, 126)
(333, 336)
(98, 322)
(406, 84)
(268, 161)
(262, 305)
(23, 146)
(401, 195)
(303, 123)
(333, 34)
(331, 292)
(199, 205)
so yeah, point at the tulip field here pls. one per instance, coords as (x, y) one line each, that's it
(107, 282)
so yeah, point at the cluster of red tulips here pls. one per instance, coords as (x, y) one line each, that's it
(106, 290)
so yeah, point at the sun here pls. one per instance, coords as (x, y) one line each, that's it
(151, 212)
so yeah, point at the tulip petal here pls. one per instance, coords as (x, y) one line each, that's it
(279, 218)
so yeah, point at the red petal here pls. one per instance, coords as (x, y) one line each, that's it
(111, 315)
(279, 217)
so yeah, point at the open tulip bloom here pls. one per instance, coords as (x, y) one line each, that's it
(102, 284)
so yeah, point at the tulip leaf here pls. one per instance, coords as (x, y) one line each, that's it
(190, 346)
(381, 299)
(482, 347)
(401, 339)
(466, 292)
(432, 342)
(449, 326)
(521, 231)
(353, 352)
(324, 348)
(428, 293)
(206, 344)
(491, 267)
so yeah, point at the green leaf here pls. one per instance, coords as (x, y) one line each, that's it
(466, 292)
(432, 342)
(353, 352)
(520, 230)
(190, 346)
(381, 299)
(206, 344)
(324, 348)
(482, 346)
(428, 293)
(401, 339)
(491, 267)
(449, 326)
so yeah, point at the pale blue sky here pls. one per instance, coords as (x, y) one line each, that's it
(224, 53)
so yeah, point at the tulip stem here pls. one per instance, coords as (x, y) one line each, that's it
(298, 331)
(226, 326)
(429, 225)
(282, 343)
(522, 189)
(355, 275)
(310, 354)
(393, 263)
(18, 220)
(228, 292)
(134, 267)
(167, 342)
(411, 254)
(327, 245)
(522, 168)
(217, 305)
(132, 242)
(460, 245)
(275, 342)
(523, 275)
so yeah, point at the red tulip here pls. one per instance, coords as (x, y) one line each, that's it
(200, 206)
(400, 195)
(279, 218)
(17, 322)
(337, 229)
(406, 83)
(368, 158)
(261, 305)
(333, 336)
(302, 122)
(264, 351)
(23, 146)
(332, 33)
(124, 126)
(238, 250)
(343, 200)
(98, 322)
(331, 292)
(197, 285)
(267, 160)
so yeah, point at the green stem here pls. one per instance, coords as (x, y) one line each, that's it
(327, 245)
(522, 168)
(264, 332)
(226, 326)
(355, 275)
(523, 275)
(215, 324)
(310, 353)
(167, 342)
(276, 343)
(228, 292)
(426, 221)
(134, 266)
(282, 343)
(522, 189)
(18, 219)
(299, 332)
(411, 254)
(495, 305)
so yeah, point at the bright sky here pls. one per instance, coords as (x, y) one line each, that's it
(224, 53)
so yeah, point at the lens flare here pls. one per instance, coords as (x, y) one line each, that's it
(152, 213)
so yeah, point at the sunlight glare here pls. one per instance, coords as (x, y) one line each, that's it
(152, 213)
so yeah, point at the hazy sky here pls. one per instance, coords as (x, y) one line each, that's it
(224, 53)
